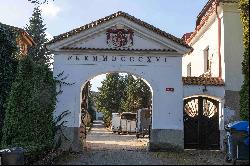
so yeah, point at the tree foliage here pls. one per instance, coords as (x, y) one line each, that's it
(29, 113)
(31, 102)
(122, 94)
(91, 106)
(8, 65)
(244, 92)
(110, 95)
(36, 29)
(137, 95)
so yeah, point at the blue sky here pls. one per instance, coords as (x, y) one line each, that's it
(175, 17)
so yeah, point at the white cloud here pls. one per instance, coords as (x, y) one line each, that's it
(50, 9)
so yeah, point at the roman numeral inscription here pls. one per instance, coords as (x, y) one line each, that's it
(116, 59)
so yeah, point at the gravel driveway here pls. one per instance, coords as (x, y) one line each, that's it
(107, 148)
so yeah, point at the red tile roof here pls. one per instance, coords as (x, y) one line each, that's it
(113, 16)
(209, 4)
(213, 81)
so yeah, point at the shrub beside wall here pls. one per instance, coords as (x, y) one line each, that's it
(29, 113)
(244, 93)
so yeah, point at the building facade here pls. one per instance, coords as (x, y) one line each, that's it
(122, 43)
(23, 39)
(217, 43)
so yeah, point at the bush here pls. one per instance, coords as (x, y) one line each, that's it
(244, 96)
(29, 114)
(8, 66)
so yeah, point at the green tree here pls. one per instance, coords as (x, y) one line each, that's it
(91, 106)
(138, 95)
(244, 92)
(36, 29)
(8, 66)
(122, 94)
(29, 110)
(110, 95)
(144, 94)
(129, 100)
(29, 113)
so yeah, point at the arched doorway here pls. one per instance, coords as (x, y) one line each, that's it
(201, 123)
(123, 43)
(122, 94)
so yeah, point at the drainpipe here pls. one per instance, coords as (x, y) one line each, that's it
(219, 35)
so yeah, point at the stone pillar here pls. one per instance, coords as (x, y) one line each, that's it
(68, 139)
(166, 139)
(232, 106)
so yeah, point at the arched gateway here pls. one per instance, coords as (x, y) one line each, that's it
(122, 43)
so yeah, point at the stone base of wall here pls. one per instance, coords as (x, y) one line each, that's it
(160, 139)
(222, 137)
(232, 106)
(166, 139)
(69, 139)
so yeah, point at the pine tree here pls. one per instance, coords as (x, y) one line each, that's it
(37, 29)
(8, 65)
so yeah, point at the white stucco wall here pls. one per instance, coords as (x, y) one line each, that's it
(162, 74)
(208, 39)
(231, 47)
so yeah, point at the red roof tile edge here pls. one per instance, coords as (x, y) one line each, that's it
(213, 81)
